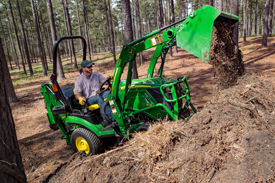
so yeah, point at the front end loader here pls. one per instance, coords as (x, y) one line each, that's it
(134, 102)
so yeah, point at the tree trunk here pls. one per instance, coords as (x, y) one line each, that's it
(107, 27)
(160, 14)
(139, 30)
(264, 41)
(49, 41)
(156, 15)
(67, 31)
(79, 26)
(86, 29)
(261, 22)
(226, 6)
(38, 38)
(11, 96)
(250, 19)
(46, 41)
(173, 20)
(71, 33)
(244, 21)
(256, 17)
(24, 38)
(211, 2)
(17, 40)
(235, 11)
(126, 11)
(11, 165)
(12, 44)
(169, 22)
(3, 32)
(112, 33)
(61, 75)
(89, 35)
(270, 18)
(220, 5)
(164, 13)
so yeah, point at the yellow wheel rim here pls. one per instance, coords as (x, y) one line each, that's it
(82, 145)
(143, 131)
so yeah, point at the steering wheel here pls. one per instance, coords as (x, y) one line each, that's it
(108, 81)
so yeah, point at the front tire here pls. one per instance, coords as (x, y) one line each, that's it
(84, 140)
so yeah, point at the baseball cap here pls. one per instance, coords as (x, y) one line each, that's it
(86, 63)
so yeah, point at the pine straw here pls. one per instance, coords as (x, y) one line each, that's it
(233, 130)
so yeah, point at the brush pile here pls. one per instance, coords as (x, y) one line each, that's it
(231, 139)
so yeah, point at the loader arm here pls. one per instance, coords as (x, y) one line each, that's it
(193, 34)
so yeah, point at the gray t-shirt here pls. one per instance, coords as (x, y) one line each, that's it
(87, 86)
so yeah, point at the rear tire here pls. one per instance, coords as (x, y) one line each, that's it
(84, 140)
(143, 128)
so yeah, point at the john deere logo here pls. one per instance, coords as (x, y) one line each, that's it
(131, 51)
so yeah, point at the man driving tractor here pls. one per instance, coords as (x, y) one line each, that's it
(87, 87)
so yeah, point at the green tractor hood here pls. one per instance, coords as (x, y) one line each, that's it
(147, 83)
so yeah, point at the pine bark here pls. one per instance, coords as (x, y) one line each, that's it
(11, 166)
(107, 27)
(256, 17)
(160, 14)
(139, 35)
(38, 38)
(11, 96)
(244, 21)
(67, 31)
(12, 44)
(266, 16)
(112, 33)
(250, 19)
(86, 29)
(220, 5)
(173, 20)
(60, 71)
(211, 2)
(24, 38)
(270, 22)
(17, 39)
(71, 33)
(126, 11)
(79, 26)
(4, 37)
(235, 11)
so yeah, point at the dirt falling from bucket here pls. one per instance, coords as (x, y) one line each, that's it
(225, 56)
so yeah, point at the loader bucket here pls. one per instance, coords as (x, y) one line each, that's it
(195, 33)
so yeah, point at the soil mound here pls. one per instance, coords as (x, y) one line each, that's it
(225, 56)
(230, 140)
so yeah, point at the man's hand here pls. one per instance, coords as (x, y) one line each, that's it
(82, 100)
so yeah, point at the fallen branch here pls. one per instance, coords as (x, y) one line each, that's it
(252, 98)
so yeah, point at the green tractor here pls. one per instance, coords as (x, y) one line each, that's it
(134, 102)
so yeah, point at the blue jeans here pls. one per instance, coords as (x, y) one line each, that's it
(99, 99)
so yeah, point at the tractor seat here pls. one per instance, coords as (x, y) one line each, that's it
(92, 107)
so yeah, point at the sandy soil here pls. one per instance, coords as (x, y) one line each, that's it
(42, 149)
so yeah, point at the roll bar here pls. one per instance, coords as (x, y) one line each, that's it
(55, 48)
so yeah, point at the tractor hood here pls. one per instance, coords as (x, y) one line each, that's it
(147, 83)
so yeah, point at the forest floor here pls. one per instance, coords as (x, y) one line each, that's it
(44, 153)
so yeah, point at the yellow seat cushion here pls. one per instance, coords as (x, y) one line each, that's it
(93, 106)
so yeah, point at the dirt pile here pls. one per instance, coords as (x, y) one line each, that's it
(225, 56)
(231, 139)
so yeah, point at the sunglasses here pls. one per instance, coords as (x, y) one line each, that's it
(90, 66)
